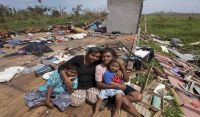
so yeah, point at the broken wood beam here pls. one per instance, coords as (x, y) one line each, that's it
(158, 72)
(149, 106)
(157, 114)
(149, 72)
(179, 102)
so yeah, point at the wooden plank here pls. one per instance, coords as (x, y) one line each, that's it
(10, 106)
(157, 114)
(38, 112)
(9, 94)
(105, 113)
(151, 84)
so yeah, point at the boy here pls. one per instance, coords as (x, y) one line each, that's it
(111, 76)
(53, 92)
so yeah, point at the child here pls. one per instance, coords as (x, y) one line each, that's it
(53, 92)
(111, 76)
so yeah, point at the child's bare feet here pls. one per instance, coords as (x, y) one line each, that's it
(116, 114)
(94, 114)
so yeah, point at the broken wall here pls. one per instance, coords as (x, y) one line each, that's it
(123, 15)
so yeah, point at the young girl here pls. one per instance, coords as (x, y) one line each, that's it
(53, 92)
(111, 76)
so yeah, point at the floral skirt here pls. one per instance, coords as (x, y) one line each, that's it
(60, 100)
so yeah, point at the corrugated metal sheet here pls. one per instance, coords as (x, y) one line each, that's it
(187, 108)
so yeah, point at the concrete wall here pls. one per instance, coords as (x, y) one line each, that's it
(123, 15)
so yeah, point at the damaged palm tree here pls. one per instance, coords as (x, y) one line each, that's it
(77, 10)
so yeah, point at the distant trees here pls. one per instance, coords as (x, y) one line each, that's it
(77, 9)
(38, 9)
(56, 13)
(47, 15)
(5, 11)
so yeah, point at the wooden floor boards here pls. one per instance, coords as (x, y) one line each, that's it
(13, 105)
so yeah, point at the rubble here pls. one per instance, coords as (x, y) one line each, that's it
(155, 99)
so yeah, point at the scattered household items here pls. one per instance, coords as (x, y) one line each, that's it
(178, 74)
(32, 69)
(2, 52)
(141, 53)
(175, 42)
(35, 49)
(164, 49)
(43, 70)
(47, 75)
(2, 43)
(77, 30)
(76, 36)
(195, 43)
(56, 59)
(184, 57)
(178, 77)
(10, 73)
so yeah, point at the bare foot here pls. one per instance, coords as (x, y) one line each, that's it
(115, 114)
(94, 114)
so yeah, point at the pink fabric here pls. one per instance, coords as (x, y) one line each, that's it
(100, 70)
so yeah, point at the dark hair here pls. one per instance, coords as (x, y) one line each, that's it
(107, 49)
(94, 50)
(72, 66)
(113, 61)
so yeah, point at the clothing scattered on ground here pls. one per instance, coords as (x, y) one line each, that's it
(44, 69)
(35, 49)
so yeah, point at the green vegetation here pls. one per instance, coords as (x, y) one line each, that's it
(173, 110)
(43, 16)
(186, 27)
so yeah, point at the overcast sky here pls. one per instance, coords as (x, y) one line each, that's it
(187, 6)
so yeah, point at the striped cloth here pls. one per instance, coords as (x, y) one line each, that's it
(78, 97)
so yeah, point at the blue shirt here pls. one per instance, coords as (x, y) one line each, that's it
(107, 77)
(54, 81)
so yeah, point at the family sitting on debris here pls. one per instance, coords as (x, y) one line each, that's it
(98, 69)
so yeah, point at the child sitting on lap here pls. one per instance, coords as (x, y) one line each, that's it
(111, 76)
(53, 92)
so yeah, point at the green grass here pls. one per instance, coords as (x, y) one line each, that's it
(173, 110)
(42, 21)
(186, 27)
